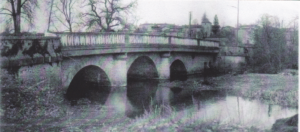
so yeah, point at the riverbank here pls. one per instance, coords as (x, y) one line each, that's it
(278, 89)
(54, 114)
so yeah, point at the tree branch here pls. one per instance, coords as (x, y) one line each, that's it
(6, 14)
(4, 9)
(23, 3)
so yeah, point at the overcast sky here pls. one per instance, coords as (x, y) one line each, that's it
(177, 12)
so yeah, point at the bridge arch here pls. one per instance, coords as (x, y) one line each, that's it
(143, 67)
(178, 71)
(89, 82)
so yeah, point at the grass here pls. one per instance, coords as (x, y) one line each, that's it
(274, 88)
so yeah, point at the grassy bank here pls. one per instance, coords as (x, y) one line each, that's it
(280, 89)
(272, 88)
(24, 103)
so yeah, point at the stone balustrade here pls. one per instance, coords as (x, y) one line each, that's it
(209, 43)
(143, 39)
(183, 41)
(77, 39)
(91, 39)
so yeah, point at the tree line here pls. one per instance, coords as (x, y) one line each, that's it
(100, 14)
(275, 46)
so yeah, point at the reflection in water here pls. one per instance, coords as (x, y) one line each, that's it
(180, 100)
(208, 104)
(269, 110)
(95, 92)
(207, 97)
(176, 90)
(139, 94)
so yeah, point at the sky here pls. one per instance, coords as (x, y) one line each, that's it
(177, 12)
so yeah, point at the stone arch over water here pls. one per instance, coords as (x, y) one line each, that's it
(178, 71)
(89, 82)
(142, 67)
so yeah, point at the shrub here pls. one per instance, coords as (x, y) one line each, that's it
(222, 67)
(24, 103)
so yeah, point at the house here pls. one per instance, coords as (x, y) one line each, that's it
(190, 31)
(207, 26)
(245, 33)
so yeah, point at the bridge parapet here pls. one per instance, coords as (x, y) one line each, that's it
(29, 50)
(76, 39)
(183, 41)
(80, 39)
(143, 39)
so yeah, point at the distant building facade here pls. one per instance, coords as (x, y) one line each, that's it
(189, 31)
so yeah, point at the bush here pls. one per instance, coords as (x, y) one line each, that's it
(223, 67)
(24, 103)
(271, 52)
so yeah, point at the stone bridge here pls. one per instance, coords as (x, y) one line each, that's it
(109, 58)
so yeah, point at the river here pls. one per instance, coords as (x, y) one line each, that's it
(222, 105)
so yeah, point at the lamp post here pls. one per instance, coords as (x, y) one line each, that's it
(237, 24)
(237, 31)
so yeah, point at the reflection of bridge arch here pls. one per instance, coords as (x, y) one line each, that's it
(139, 95)
(142, 67)
(178, 71)
(87, 81)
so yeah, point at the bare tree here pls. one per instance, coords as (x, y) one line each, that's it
(64, 8)
(17, 9)
(106, 14)
(270, 52)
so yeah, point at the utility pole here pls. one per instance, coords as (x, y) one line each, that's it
(237, 26)
(190, 21)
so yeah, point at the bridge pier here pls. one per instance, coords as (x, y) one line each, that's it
(163, 67)
(119, 71)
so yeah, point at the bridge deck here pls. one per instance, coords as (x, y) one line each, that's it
(30, 50)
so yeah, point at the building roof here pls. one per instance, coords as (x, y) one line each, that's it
(247, 26)
(196, 26)
(205, 20)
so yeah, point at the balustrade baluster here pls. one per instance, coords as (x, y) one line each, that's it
(70, 39)
(88, 39)
(109, 38)
(114, 39)
(117, 37)
(92, 37)
(102, 39)
(74, 39)
(63, 39)
(152, 39)
(123, 40)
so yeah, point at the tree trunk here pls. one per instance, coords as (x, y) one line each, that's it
(17, 16)
(17, 23)
(70, 26)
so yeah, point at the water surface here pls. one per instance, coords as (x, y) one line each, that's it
(208, 105)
